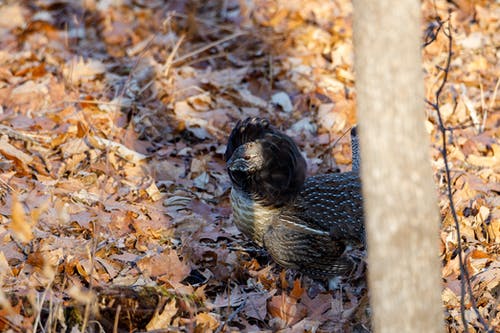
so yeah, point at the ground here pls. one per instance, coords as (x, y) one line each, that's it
(114, 117)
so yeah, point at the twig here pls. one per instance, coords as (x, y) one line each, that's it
(117, 318)
(39, 304)
(490, 107)
(23, 136)
(203, 21)
(432, 32)
(464, 273)
(210, 57)
(170, 58)
(331, 145)
(96, 102)
(271, 71)
(91, 254)
(10, 324)
(231, 316)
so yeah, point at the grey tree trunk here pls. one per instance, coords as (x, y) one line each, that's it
(402, 218)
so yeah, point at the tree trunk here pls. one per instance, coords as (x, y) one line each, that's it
(402, 218)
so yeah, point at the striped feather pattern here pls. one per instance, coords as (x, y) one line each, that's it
(313, 225)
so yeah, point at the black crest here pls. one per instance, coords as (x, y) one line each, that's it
(264, 162)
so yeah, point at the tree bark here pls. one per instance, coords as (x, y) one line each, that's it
(402, 219)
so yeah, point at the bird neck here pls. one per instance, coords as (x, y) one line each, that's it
(251, 218)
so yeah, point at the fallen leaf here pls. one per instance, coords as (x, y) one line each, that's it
(20, 226)
(206, 321)
(283, 100)
(162, 319)
(166, 264)
(80, 70)
(286, 308)
(12, 152)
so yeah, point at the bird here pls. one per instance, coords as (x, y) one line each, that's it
(314, 224)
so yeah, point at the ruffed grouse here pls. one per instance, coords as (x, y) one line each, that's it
(309, 224)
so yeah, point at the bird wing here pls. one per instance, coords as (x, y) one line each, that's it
(315, 254)
(329, 204)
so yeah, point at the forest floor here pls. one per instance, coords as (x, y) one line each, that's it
(114, 197)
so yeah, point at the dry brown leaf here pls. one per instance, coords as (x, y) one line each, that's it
(78, 70)
(286, 308)
(4, 265)
(6, 308)
(297, 290)
(81, 295)
(317, 306)
(494, 230)
(256, 305)
(122, 151)
(153, 192)
(12, 16)
(12, 152)
(234, 298)
(20, 226)
(166, 265)
(207, 321)
(82, 192)
(484, 161)
(30, 92)
(162, 319)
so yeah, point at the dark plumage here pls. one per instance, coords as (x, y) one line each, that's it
(312, 224)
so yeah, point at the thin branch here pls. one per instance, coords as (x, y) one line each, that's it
(432, 32)
(465, 282)
(207, 47)
(231, 316)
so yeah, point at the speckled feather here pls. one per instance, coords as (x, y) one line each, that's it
(314, 224)
(331, 203)
(313, 233)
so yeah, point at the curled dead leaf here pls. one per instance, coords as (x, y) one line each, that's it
(207, 321)
(15, 154)
(283, 100)
(122, 151)
(153, 192)
(162, 319)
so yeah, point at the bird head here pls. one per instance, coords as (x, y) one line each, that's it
(264, 163)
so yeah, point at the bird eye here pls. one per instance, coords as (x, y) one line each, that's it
(246, 157)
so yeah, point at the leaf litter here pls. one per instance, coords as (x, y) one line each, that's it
(114, 118)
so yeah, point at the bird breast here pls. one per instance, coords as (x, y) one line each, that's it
(250, 217)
